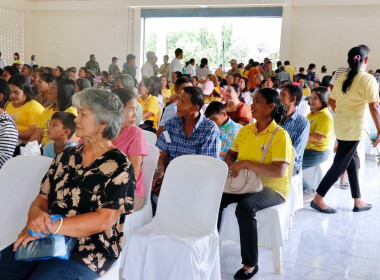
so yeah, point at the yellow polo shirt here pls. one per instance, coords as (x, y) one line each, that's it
(150, 104)
(320, 122)
(351, 112)
(291, 70)
(45, 122)
(249, 144)
(166, 93)
(172, 88)
(306, 92)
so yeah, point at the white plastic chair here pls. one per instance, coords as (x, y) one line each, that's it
(181, 242)
(144, 215)
(150, 137)
(20, 180)
(272, 225)
(295, 196)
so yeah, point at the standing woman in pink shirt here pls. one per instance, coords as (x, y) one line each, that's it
(131, 141)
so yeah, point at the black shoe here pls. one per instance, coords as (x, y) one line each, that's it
(243, 274)
(360, 209)
(326, 211)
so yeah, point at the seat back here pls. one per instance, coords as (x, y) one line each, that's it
(20, 180)
(149, 167)
(190, 195)
(291, 166)
(150, 137)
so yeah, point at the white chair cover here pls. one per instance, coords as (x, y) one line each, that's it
(20, 180)
(181, 242)
(144, 215)
(150, 138)
(296, 193)
(272, 225)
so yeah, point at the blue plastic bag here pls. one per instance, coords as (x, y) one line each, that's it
(49, 247)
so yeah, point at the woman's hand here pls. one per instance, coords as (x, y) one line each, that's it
(23, 239)
(236, 167)
(38, 220)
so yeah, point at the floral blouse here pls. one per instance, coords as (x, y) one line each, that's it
(72, 190)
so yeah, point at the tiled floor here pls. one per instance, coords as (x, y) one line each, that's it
(345, 245)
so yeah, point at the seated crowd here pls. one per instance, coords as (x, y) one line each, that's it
(92, 126)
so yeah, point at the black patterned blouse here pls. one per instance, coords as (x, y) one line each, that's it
(72, 189)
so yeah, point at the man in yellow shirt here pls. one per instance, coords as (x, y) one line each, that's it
(291, 70)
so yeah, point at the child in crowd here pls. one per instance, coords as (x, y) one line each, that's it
(61, 128)
(228, 128)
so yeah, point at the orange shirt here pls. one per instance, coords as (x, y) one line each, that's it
(251, 75)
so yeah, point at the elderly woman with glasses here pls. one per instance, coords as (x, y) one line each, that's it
(92, 185)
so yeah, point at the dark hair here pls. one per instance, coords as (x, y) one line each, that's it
(197, 97)
(67, 120)
(47, 77)
(323, 68)
(11, 70)
(125, 95)
(130, 57)
(311, 66)
(4, 90)
(294, 91)
(356, 56)
(178, 74)
(60, 69)
(246, 81)
(83, 83)
(105, 74)
(279, 63)
(178, 52)
(214, 108)
(50, 70)
(66, 89)
(196, 78)
(272, 96)
(238, 90)
(187, 63)
(148, 83)
(286, 62)
(33, 57)
(322, 93)
(251, 61)
(28, 66)
(18, 56)
(34, 67)
(240, 65)
(301, 69)
(182, 80)
(256, 63)
(204, 61)
(155, 89)
(22, 82)
(275, 81)
(90, 80)
(192, 60)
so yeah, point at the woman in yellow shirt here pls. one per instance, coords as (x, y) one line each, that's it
(317, 148)
(60, 92)
(25, 111)
(150, 105)
(353, 93)
(165, 89)
(305, 90)
(248, 149)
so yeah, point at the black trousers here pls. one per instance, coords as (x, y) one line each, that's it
(346, 157)
(248, 205)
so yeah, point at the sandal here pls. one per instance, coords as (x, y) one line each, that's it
(344, 184)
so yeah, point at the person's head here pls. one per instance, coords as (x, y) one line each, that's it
(16, 56)
(204, 62)
(281, 68)
(4, 93)
(229, 79)
(192, 61)
(26, 70)
(237, 76)
(255, 64)
(319, 98)
(190, 102)
(357, 59)
(323, 69)
(178, 53)
(9, 71)
(18, 66)
(257, 79)
(129, 101)
(65, 91)
(195, 81)
(104, 76)
(44, 82)
(124, 81)
(286, 62)
(311, 68)
(291, 96)
(268, 65)
(92, 57)
(150, 57)
(100, 114)
(216, 112)
(181, 83)
(284, 83)
(81, 84)
(33, 57)
(213, 79)
(145, 86)
(301, 81)
(82, 72)
(20, 91)
(48, 70)
(58, 71)
(275, 82)
(166, 58)
(35, 78)
(316, 84)
(233, 94)
(266, 103)
(301, 70)
(251, 61)
(164, 82)
(62, 126)
(240, 66)
(233, 63)
(114, 59)
(131, 60)
(267, 83)
(155, 88)
(279, 63)
(244, 84)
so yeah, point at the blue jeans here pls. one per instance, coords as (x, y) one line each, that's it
(53, 269)
(313, 158)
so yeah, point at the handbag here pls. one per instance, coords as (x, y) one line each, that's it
(247, 181)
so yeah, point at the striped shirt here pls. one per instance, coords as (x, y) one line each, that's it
(8, 137)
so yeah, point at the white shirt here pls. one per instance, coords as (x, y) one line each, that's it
(303, 108)
(147, 70)
(175, 66)
(190, 70)
(3, 63)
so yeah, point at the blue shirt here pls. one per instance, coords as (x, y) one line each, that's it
(298, 128)
(169, 113)
(49, 148)
(204, 140)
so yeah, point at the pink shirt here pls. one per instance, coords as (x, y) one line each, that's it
(131, 142)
